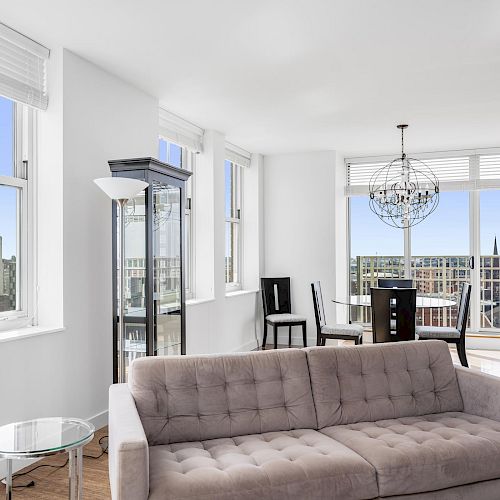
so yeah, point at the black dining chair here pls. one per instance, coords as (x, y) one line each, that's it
(278, 310)
(401, 300)
(336, 331)
(452, 335)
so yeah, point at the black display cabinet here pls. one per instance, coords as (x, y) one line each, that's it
(154, 262)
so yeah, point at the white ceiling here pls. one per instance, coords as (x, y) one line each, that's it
(297, 75)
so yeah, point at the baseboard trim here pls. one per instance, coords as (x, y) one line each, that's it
(282, 340)
(99, 421)
(248, 346)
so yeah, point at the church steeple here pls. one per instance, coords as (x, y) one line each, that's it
(495, 248)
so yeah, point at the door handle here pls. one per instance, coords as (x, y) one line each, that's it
(471, 262)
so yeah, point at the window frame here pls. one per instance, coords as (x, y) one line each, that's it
(235, 218)
(188, 162)
(24, 179)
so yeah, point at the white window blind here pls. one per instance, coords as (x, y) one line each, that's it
(452, 172)
(23, 68)
(237, 155)
(181, 132)
(489, 167)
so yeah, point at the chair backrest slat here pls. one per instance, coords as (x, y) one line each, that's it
(395, 283)
(319, 309)
(405, 309)
(276, 295)
(463, 308)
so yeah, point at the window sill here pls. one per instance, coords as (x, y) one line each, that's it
(27, 332)
(195, 302)
(237, 293)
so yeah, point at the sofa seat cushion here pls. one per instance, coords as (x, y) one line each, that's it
(295, 464)
(425, 453)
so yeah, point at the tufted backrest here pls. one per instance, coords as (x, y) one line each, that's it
(193, 398)
(382, 381)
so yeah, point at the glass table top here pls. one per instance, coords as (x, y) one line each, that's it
(422, 301)
(45, 436)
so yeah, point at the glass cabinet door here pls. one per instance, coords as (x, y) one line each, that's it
(134, 343)
(167, 255)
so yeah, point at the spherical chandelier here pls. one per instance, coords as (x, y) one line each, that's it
(405, 191)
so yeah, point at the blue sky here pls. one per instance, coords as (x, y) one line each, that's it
(7, 194)
(444, 232)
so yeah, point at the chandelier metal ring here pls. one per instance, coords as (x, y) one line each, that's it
(404, 192)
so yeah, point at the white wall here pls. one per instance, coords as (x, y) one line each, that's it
(216, 322)
(92, 117)
(299, 230)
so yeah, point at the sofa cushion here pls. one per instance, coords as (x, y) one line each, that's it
(206, 397)
(425, 453)
(288, 465)
(374, 382)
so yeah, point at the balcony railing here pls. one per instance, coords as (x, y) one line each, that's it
(434, 276)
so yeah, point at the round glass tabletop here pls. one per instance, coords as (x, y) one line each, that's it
(422, 301)
(43, 436)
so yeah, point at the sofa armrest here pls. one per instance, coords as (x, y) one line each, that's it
(128, 450)
(480, 392)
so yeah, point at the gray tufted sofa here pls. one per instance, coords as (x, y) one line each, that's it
(375, 421)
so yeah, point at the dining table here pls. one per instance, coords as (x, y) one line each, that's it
(423, 301)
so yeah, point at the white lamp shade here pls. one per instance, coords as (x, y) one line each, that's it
(121, 188)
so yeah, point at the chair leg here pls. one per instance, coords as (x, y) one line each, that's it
(360, 339)
(304, 334)
(264, 337)
(323, 341)
(289, 336)
(462, 354)
(275, 333)
(356, 341)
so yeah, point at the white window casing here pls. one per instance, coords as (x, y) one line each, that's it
(23, 68)
(22, 180)
(180, 131)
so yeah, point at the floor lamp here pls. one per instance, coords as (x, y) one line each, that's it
(121, 189)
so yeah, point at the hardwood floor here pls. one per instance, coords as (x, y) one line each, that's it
(52, 484)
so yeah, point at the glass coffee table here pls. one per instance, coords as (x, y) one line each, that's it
(44, 437)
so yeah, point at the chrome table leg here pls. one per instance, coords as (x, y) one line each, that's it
(79, 471)
(72, 475)
(8, 481)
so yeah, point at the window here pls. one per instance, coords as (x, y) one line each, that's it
(16, 271)
(171, 153)
(233, 225)
(489, 266)
(456, 244)
(182, 157)
(377, 251)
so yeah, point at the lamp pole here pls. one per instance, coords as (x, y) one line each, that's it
(121, 203)
(121, 189)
